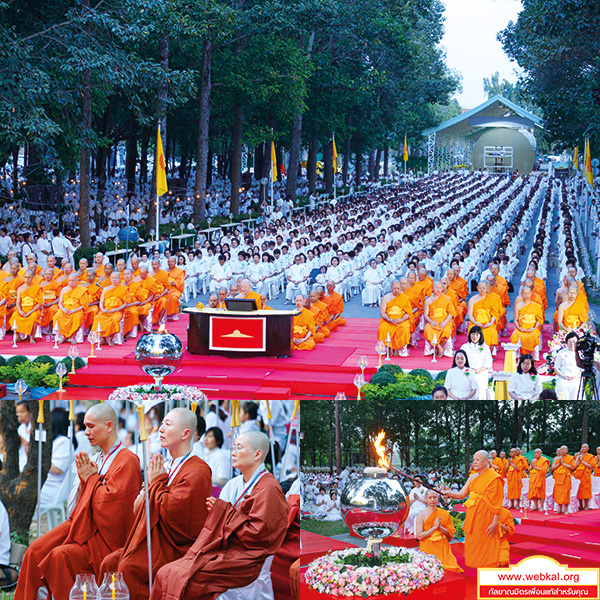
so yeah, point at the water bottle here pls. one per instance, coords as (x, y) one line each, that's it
(85, 588)
(114, 587)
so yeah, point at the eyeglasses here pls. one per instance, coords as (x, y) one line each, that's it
(237, 448)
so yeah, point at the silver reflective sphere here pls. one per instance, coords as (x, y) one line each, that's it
(158, 354)
(374, 506)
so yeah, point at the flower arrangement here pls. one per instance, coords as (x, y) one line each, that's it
(354, 572)
(139, 394)
(556, 344)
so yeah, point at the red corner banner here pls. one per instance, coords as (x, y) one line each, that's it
(243, 335)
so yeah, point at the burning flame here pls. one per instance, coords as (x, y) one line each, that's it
(381, 450)
(162, 329)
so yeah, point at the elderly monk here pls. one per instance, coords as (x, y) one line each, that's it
(121, 264)
(395, 325)
(538, 285)
(161, 281)
(415, 297)
(507, 528)
(483, 311)
(438, 313)
(247, 293)
(11, 255)
(149, 284)
(27, 315)
(497, 464)
(104, 280)
(98, 265)
(3, 300)
(434, 530)
(514, 478)
(245, 525)
(131, 316)
(303, 328)
(561, 468)
(143, 295)
(529, 320)
(83, 267)
(573, 312)
(538, 468)
(584, 465)
(222, 295)
(113, 302)
(319, 310)
(135, 264)
(177, 490)
(94, 293)
(100, 521)
(33, 267)
(70, 319)
(213, 300)
(50, 294)
(176, 283)
(13, 282)
(63, 279)
(459, 316)
(424, 284)
(51, 264)
(335, 306)
(485, 490)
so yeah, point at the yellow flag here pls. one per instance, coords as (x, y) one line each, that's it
(576, 157)
(161, 165)
(334, 155)
(589, 171)
(274, 161)
(405, 149)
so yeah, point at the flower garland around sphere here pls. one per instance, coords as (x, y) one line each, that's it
(355, 572)
(138, 394)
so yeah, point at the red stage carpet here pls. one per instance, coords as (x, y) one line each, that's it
(320, 373)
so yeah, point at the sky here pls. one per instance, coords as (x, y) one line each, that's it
(471, 28)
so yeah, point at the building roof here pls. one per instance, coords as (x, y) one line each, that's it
(495, 112)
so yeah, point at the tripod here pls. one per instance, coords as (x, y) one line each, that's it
(588, 375)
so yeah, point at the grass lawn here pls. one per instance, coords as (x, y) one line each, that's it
(7, 595)
(327, 528)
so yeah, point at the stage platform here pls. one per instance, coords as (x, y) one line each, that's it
(318, 374)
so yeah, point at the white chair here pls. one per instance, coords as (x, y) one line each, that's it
(260, 589)
(57, 510)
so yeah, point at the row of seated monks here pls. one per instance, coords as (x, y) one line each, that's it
(201, 546)
(439, 309)
(70, 304)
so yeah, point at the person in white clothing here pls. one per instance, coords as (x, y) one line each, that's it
(332, 507)
(320, 504)
(218, 459)
(525, 384)
(460, 381)
(297, 276)
(418, 504)
(24, 431)
(568, 374)
(248, 417)
(480, 360)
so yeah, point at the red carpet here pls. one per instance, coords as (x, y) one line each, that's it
(320, 373)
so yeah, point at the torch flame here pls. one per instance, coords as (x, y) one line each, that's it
(384, 461)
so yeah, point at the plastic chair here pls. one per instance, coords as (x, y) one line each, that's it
(58, 509)
(260, 589)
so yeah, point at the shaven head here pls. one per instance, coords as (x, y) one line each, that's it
(101, 426)
(177, 431)
(481, 461)
(257, 441)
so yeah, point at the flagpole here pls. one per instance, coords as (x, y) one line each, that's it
(271, 172)
(157, 197)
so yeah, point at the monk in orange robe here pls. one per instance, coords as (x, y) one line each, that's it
(396, 311)
(485, 490)
(415, 298)
(82, 272)
(63, 279)
(104, 279)
(438, 313)
(514, 479)
(113, 302)
(70, 319)
(160, 298)
(13, 282)
(50, 294)
(241, 531)
(573, 312)
(51, 264)
(135, 265)
(121, 264)
(27, 314)
(319, 310)
(137, 311)
(434, 530)
(303, 327)
(176, 284)
(538, 285)
(459, 316)
(149, 286)
(497, 464)
(538, 469)
(100, 521)
(507, 528)
(94, 293)
(562, 467)
(177, 491)
(98, 265)
(424, 284)
(529, 320)
(482, 311)
(584, 465)
(458, 285)
(3, 300)
(335, 306)
(247, 293)
(34, 268)
(498, 293)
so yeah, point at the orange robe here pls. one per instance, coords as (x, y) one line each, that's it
(318, 336)
(254, 296)
(524, 466)
(161, 281)
(575, 315)
(335, 306)
(417, 301)
(3, 296)
(110, 323)
(484, 502)
(94, 292)
(424, 288)
(540, 287)
(12, 286)
(231, 548)
(80, 543)
(459, 317)
(537, 479)
(176, 284)
(72, 299)
(507, 520)
(529, 316)
(437, 543)
(483, 311)
(438, 310)
(460, 286)
(562, 481)
(514, 477)
(29, 298)
(303, 323)
(150, 286)
(585, 478)
(141, 293)
(177, 515)
(50, 292)
(321, 317)
(498, 466)
(501, 322)
(399, 334)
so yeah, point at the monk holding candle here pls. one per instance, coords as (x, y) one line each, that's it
(485, 490)
(538, 469)
(113, 302)
(584, 465)
(27, 314)
(100, 521)
(434, 529)
(562, 467)
(245, 525)
(177, 491)
(70, 319)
